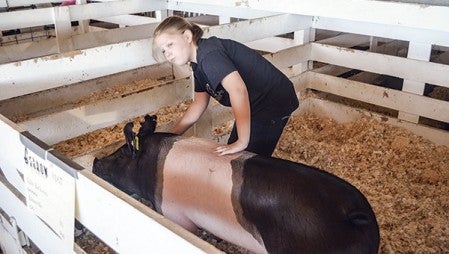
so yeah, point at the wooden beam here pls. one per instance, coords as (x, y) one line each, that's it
(384, 97)
(67, 97)
(63, 29)
(290, 56)
(432, 17)
(38, 74)
(254, 29)
(129, 20)
(392, 31)
(44, 16)
(346, 40)
(70, 123)
(218, 10)
(418, 51)
(20, 3)
(423, 71)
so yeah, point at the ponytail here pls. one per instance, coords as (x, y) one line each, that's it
(179, 24)
(197, 32)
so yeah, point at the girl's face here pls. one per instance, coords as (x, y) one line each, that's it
(176, 47)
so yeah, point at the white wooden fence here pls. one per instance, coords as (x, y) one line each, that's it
(81, 58)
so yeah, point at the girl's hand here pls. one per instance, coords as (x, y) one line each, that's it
(231, 148)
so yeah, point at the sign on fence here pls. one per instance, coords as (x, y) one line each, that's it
(49, 190)
(50, 195)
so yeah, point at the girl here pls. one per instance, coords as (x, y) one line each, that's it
(262, 97)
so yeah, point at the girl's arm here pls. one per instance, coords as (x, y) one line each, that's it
(193, 113)
(238, 94)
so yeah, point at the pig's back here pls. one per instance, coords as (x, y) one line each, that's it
(197, 187)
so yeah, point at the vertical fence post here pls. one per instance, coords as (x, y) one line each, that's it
(418, 51)
(63, 28)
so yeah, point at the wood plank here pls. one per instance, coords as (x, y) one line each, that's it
(432, 17)
(39, 74)
(68, 97)
(392, 31)
(418, 51)
(389, 48)
(332, 70)
(272, 44)
(118, 35)
(254, 29)
(59, 126)
(129, 20)
(20, 3)
(219, 10)
(44, 16)
(345, 40)
(290, 56)
(63, 29)
(385, 97)
(27, 50)
(423, 71)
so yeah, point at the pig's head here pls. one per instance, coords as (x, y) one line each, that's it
(121, 167)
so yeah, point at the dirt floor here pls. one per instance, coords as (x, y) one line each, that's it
(404, 177)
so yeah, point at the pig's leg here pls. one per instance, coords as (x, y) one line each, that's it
(178, 218)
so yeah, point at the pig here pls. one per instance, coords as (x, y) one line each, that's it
(263, 204)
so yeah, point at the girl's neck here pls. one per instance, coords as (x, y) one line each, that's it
(194, 51)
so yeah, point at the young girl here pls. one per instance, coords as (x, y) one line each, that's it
(262, 97)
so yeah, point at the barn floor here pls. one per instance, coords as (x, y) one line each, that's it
(405, 177)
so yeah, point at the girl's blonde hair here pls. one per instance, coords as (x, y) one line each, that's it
(175, 24)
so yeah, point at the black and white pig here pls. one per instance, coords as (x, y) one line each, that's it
(264, 204)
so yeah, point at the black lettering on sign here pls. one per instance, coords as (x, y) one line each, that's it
(34, 163)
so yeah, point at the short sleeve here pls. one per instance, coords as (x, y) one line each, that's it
(216, 65)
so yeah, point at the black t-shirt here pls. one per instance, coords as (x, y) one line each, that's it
(271, 93)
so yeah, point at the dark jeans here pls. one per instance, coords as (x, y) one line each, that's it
(264, 135)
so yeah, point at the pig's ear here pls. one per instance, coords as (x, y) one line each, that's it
(148, 126)
(153, 122)
(130, 137)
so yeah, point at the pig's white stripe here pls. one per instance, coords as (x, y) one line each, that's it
(197, 187)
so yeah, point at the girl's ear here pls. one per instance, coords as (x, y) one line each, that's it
(188, 35)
